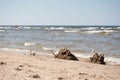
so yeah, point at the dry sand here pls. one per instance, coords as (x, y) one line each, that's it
(25, 67)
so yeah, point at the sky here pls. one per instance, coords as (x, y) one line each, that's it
(59, 12)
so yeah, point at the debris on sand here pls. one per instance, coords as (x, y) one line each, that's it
(66, 54)
(97, 58)
(18, 69)
(60, 78)
(82, 73)
(21, 66)
(32, 54)
(2, 63)
(36, 76)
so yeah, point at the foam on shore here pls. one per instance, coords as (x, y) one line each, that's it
(111, 60)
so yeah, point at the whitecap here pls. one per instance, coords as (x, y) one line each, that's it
(102, 28)
(36, 28)
(113, 60)
(118, 27)
(108, 28)
(29, 44)
(2, 30)
(27, 27)
(17, 27)
(72, 30)
(5, 27)
(108, 31)
(89, 28)
(94, 31)
(13, 50)
(57, 28)
(45, 48)
(81, 55)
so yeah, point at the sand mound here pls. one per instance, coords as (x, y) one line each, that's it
(97, 58)
(66, 54)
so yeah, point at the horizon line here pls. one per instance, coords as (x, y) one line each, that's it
(53, 25)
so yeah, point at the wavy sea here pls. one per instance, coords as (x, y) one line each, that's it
(82, 41)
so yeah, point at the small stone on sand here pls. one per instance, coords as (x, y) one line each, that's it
(2, 63)
(36, 76)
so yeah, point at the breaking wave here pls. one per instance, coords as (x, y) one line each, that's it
(29, 44)
(89, 28)
(2, 30)
(113, 60)
(100, 31)
(95, 31)
(27, 27)
(57, 28)
(118, 27)
(45, 48)
(13, 50)
(5, 27)
(72, 30)
(81, 55)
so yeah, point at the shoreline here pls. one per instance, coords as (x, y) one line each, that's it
(84, 56)
(26, 67)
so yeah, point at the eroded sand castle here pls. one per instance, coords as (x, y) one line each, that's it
(97, 58)
(66, 54)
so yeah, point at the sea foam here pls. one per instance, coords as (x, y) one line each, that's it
(72, 30)
(29, 44)
(113, 60)
(2, 30)
(13, 50)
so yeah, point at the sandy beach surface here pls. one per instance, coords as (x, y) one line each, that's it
(25, 67)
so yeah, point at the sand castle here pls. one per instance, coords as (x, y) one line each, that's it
(66, 54)
(97, 58)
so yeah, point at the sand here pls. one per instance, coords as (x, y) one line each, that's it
(25, 67)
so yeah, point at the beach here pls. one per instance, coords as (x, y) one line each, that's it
(59, 40)
(80, 40)
(26, 67)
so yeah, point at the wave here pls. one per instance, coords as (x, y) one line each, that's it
(36, 28)
(113, 60)
(17, 27)
(102, 28)
(81, 55)
(29, 44)
(5, 27)
(57, 28)
(26, 27)
(72, 30)
(2, 30)
(118, 28)
(13, 50)
(109, 28)
(45, 48)
(20, 27)
(109, 31)
(105, 31)
(89, 28)
(95, 31)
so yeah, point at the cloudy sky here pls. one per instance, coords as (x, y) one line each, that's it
(59, 12)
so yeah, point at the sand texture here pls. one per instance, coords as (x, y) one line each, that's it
(25, 67)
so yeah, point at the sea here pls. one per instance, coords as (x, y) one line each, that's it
(82, 41)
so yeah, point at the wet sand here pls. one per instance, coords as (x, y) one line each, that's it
(25, 67)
